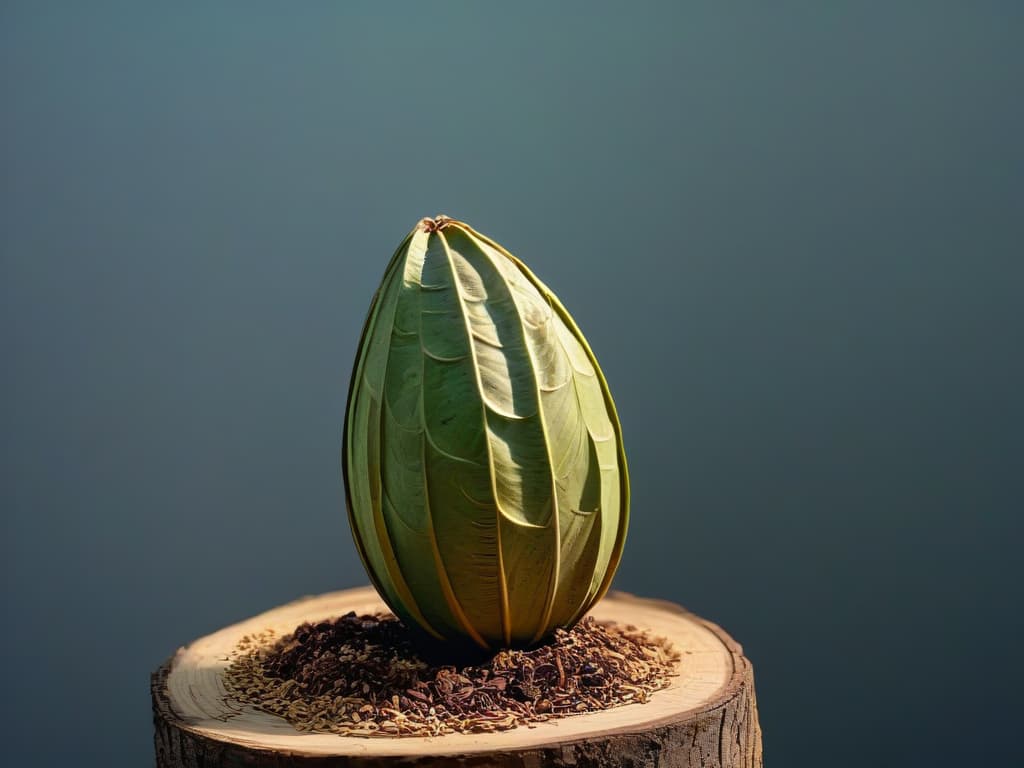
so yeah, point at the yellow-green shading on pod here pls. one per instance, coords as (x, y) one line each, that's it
(484, 471)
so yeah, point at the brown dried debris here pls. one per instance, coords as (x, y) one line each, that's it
(361, 676)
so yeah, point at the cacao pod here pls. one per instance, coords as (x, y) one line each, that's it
(484, 470)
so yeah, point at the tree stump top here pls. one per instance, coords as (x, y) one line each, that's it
(192, 711)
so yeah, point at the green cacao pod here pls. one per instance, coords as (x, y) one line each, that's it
(484, 471)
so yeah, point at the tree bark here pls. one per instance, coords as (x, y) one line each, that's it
(706, 718)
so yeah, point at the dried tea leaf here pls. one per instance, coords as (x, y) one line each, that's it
(591, 667)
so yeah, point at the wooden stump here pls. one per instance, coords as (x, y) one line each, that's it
(707, 717)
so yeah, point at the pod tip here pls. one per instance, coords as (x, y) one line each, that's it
(434, 224)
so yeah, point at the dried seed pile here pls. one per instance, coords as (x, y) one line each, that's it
(361, 676)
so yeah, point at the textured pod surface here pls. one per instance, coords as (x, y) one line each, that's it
(484, 470)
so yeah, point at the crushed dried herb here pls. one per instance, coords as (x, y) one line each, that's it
(362, 676)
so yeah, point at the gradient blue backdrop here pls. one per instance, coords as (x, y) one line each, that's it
(792, 232)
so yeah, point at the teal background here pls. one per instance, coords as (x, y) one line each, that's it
(792, 232)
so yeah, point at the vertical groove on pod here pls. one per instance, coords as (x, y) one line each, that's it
(624, 489)
(502, 579)
(390, 559)
(542, 628)
(354, 393)
(442, 569)
(354, 390)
